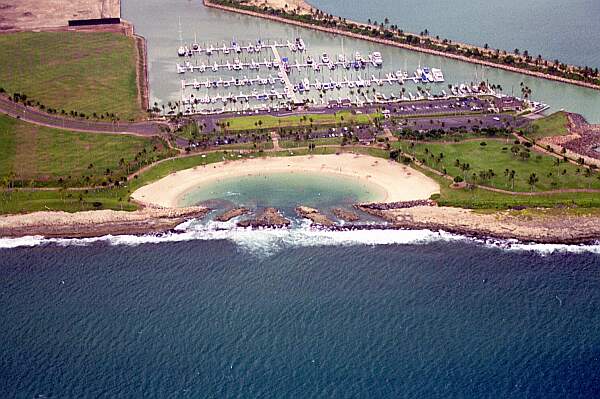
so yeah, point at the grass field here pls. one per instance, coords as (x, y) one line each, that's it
(72, 71)
(117, 198)
(271, 122)
(488, 200)
(497, 155)
(41, 156)
(552, 125)
(304, 143)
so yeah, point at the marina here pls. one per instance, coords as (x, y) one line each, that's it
(165, 83)
(289, 75)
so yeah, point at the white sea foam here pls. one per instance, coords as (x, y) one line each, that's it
(264, 242)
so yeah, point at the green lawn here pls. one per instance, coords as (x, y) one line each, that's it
(41, 156)
(304, 143)
(483, 199)
(72, 71)
(552, 125)
(497, 155)
(271, 122)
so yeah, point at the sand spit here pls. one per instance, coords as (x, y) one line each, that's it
(96, 223)
(397, 182)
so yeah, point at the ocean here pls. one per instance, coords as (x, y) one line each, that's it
(277, 314)
(211, 311)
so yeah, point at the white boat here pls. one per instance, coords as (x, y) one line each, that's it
(180, 69)
(437, 74)
(309, 60)
(377, 59)
(325, 58)
(300, 44)
(427, 76)
(181, 51)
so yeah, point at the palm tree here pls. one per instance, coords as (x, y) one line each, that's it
(512, 176)
(532, 180)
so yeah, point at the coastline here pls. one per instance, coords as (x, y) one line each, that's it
(379, 40)
(542, 226)
(397, 182)
(88, 224)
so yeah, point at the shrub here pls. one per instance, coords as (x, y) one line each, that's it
(458, 179)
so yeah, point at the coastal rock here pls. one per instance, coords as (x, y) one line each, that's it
(395, 205)
(96, 223)
(270, 217)
(233, 213)
(345, 215)
(546, 226)
(314, 215)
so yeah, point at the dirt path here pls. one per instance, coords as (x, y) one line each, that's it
(275, 138)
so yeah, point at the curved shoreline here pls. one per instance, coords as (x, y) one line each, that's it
(398, 182)
(209, 3)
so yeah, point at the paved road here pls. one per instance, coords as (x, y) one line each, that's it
(38, 117)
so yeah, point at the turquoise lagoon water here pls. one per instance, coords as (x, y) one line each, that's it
(286, 191)
(158, 22)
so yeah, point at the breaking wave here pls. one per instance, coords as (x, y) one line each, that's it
(264, 242)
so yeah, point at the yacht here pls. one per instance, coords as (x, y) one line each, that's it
(325, 58)
(309, 60)
(180, 69)
(377, 59)
(427, 76)
(438, 76)
(181, 51)
(300, 44)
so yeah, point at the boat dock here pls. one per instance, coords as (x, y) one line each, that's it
(235, 48)
(289, 88)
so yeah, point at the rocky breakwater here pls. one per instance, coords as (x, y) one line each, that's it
(314, 215)
(345, 215)
(233, 213)
(270, 217)
(386, 206)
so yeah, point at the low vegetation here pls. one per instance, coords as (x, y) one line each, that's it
(89, 75)
(502, 164)
(35, 156)
(272, 122)
(553, 125)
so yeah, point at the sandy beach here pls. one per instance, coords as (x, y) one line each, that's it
(397, 182)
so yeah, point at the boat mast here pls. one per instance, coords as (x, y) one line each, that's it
(180, 33)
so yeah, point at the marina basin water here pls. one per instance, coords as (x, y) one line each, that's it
(158, 22)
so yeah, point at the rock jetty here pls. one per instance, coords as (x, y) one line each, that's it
(345, 215)
(314, 215)
(233, 213)
(270, 217)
